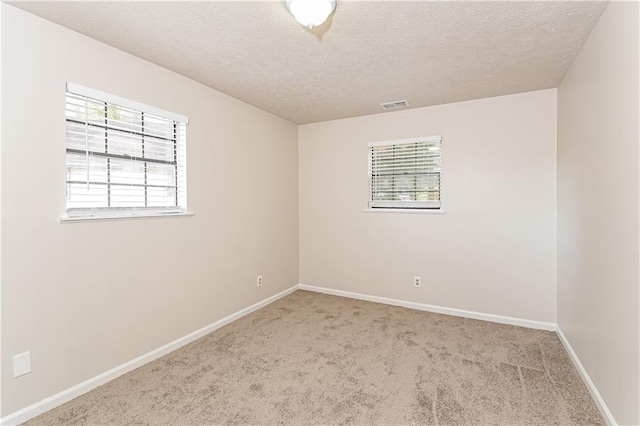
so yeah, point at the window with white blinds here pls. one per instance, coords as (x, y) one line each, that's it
(123, 158)
(405, 174)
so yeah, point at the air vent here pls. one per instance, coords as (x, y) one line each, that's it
(395, 104)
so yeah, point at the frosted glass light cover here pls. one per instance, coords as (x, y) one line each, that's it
(311, 13)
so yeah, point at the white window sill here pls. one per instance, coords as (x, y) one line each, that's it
(418, 211)
(100, 218)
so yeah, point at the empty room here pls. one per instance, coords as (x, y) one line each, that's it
(320, 212)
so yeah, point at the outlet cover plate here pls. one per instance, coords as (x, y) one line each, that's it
(21, 364)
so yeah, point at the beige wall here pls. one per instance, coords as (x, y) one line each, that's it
(598, 208)
(86, 297)
(494, 251)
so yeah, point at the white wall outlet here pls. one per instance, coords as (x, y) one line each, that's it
(416, 282)
(21, 364)
(259, 281)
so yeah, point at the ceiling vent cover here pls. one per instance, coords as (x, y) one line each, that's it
(395, 104)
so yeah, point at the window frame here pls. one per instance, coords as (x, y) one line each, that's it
(399, 205)
(177, 139)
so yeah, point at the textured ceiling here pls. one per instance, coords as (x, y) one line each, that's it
(369, 52)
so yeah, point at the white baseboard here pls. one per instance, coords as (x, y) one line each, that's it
(436, 309)
(604, 410)
(60, 398)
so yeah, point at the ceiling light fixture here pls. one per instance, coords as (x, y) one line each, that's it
(311, 13)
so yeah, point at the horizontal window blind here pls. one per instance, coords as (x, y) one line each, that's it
(405, 174)
(121, 159)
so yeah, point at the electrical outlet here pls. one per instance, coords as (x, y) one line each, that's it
(21, 364)
(259, 281)
(416, 282)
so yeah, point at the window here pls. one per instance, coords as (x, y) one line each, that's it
(123, 158)
(405, 174)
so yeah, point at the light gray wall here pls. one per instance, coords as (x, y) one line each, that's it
(598, 214)
(493, 251)
(86, 297)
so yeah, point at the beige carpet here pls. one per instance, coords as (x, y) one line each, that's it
(316, 359)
